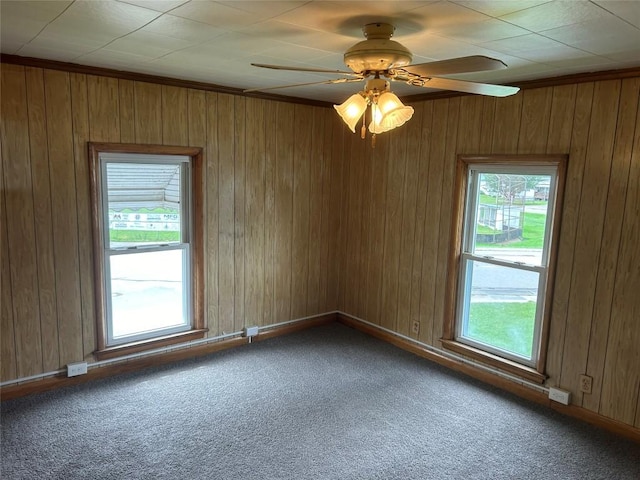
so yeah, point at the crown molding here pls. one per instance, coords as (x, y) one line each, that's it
(573, 78)
(144, 77)
(210, 87)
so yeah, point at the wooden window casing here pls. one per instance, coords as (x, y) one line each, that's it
(533, 373)
(197, 329)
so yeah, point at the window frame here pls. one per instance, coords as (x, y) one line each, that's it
(534, 370)
(193, 241)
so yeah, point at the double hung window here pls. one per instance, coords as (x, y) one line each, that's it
(504, 253)
(147, 247)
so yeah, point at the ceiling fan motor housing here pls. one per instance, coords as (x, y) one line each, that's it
(378, 52)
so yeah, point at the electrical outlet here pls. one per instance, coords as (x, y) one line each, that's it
(586, 383)
(75, 369)
(250, 331)
(415, 328)
(561, 396)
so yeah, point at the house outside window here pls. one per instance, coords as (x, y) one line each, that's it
(505, 236)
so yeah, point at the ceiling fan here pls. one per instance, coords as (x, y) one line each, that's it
(379, 58)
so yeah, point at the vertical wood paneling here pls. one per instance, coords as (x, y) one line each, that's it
(254, 259)
(306, 217)
(197, 137)
(536, 108)
(353, 243)
(589, 232)
(126, 96)
(422, 157)
(213, 172)
(337, 219)
(448, 175)
(7, 338)
(621, 376)
(42, 217)
(175, 117)
(366, 231)
(148, 110)
(284, 210)
(325, 211)
(396, 166)
(270, 119)
(609, 253)
(345, 290)
(239, 172)
(412, 141)
(300, 243)
(470, 124)
(81, 133)
(637, 423)
(226, 199)
(563, 104)
(65, 215)
(434, 222)
(316, 161)
(564, 264)
(19, 211)
(487, 124)
(104, 109)
(506, 126)
(376, 220)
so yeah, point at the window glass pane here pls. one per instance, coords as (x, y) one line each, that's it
(500, 307)
(143, 203)
(511, 217)
(147, 292)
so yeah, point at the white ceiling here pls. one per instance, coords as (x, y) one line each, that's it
(215, 42)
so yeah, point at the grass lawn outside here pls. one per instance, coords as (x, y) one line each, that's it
(533, 233)
(141, 236)
(504, 325)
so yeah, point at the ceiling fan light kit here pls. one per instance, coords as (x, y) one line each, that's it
(387, 111)
(379, 56)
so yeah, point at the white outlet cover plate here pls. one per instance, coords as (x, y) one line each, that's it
(560, 396)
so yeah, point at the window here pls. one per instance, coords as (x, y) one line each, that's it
(147, 246)
(504, 250)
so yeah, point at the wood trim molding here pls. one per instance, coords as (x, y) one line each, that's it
(198, 329)
(143, 345)
(144, 77)
(177, 82)
(542, 83)
(463, 161)
(580, 413)
(154, 359)
(498, 362)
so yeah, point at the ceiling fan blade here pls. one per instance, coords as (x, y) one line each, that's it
(474, 63)
(337, 80)
(303, 69)
(470, 87)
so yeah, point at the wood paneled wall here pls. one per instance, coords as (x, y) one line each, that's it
(273, 178)
(302, 218)
(397, 216)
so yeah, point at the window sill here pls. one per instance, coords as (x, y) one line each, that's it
(143, 345)
(512, 367)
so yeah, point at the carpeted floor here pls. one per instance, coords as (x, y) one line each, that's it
(325, 403)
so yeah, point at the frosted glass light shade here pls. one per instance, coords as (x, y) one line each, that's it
(394, 112)
(388, 113)
(351, 110)
(375, 126)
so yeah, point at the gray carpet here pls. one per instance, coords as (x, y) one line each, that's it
(325, 403)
